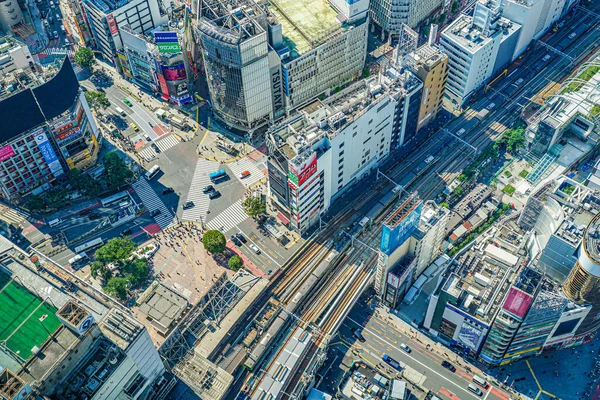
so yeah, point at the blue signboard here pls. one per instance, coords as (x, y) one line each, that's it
(166, 37)
(391, 239)
(286, 81)
(48, 153)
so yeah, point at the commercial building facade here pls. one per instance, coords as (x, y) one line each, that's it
(47, 130)
(389, 15)
(331, 144)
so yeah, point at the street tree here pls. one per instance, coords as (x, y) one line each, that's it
(84, 183)
(97, 100)
(254, 206)
(455, 6)
(116, 250)
(84, 57)
(235, 263)
(117, 287)
(36, 203)
(214, 241)
(57, 197)
(117, 172)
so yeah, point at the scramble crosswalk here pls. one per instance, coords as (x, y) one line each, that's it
(57, 51)
(165, 144)
(200, 200)
(246, 164)
(13, 216)
(231, 217)
(152, 202)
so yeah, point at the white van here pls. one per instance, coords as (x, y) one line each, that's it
(480, 381)
(461, 131)
(475, 390)
(124, 204)
(54, 222)
(120, 111)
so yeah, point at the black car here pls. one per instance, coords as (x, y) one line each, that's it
(448, 366)
(155, 147)
(214, 195)
(235, 240)
(241, 238)
(126, 231)
(168, 190)
(154, 213)
(93, 216)
(208, 189)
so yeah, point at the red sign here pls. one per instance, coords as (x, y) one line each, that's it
(6, 152)
(114, 29)
(306, 171)
(517, 302)
(163, 87)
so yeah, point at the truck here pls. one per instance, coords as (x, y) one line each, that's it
(391, 362)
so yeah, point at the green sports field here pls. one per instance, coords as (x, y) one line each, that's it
(16, 303)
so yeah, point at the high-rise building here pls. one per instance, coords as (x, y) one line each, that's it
(106, 17)
(431, 66)
(315, 155)
(472, 45)
(583, 283)
(10, 14)
(47, 128)
(389, 15)
(263, 61)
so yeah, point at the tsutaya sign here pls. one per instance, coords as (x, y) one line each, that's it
(167, 42)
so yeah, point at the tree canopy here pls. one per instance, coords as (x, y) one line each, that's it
(84, 183)
(117, 287)
(513, 138)
(97, 100)
(214, 241)
(254, 206)
(117, 172)
(235, 263)
(115, 250)
(84, 57)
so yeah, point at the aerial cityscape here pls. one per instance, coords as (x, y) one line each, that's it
(309, 199)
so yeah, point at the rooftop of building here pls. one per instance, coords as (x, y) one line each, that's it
(162, 307)
(296, 136)
(306, 24)
(471, 39)
(107, 6)
(8, 43)
(427, 56)
(481, 281)
(432, 213)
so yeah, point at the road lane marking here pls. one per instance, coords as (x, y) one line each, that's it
(262, 252)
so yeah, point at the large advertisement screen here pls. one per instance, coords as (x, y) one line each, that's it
(112, 24)
(517, 302)
(469, 335)
(6, 152)
(167, 42)
(391, 239)
(299, 175)
(174, 72)
(48, 153)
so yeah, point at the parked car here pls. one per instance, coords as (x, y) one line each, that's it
(134, 126)
(208, 189)
(357, 334)
(241, 238)
(155, 147)
(235, 240)
(126, 231)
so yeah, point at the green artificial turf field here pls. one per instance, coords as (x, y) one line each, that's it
(16, 305)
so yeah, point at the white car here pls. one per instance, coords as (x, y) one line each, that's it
(255, 249)
(572, 35)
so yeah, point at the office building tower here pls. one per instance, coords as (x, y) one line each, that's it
(14, 55)
(389, 15)
(106, 17)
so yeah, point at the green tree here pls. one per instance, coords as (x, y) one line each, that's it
(454, 6)
(84, 183)
(235, 263)
(442, 18)
(136, 271)
(254, 206)
(513, 138)
(99, 269)
(84, 57)
(444, 204)
(214, 241)
(36, 203)
(116, 250)
(117, 173)
(97, 100)
(458, 191)
(56, 198)
(117, 287)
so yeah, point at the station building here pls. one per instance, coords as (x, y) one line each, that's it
(47, 129)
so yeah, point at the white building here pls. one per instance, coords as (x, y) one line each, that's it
(13, 55)
(331, 144)
(106, 17)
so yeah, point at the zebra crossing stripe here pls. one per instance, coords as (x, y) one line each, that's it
(147, 154)
(200, 200)
(153, 202)
(229, 218)
(245, 164)
(167, 143)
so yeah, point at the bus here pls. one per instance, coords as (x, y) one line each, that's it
(78, 261)
(393, 363)
(152, 172)
(217, 175)
(92, 244)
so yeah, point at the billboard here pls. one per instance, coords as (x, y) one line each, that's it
(6, 152)
(392, 238)
(469, 335)
(167, 42)
(517, 302)
(112, 24)
(299, 175)
(68, 134)
(174, 72)
(48, 153)
(164, 90)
